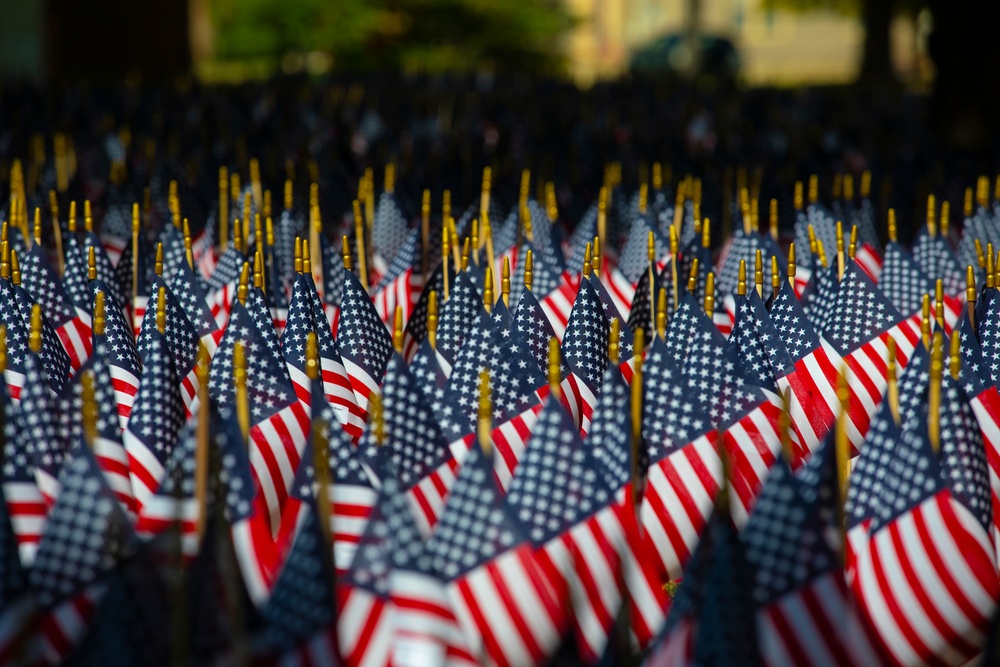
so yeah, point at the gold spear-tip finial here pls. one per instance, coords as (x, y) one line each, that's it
(791, 265)
(35, 330)
(852, 246)
(614, 335)
(432, 318)
(258, 270)
(967, 203)
(161, 310)
(939, 304)
(475, 241)
(99, 313)
(466, 247)
(312, 356)
(848, 187)
(955, 355)
(345, 253)
(505, 282)
(773, 219)
(71, 220)
(893, 234)
(945, 222)
(528, 270)
(92, 263)
(244, 285)
(971, 293)
(813, 242)
(306, 258)
(813, 188)
(389, 181)
(758, 273)
(554, 374)
(15, 268)
(586, 261)
(397, 330)
(741, 280)
(651, 247)
(692, 283)
(88, 218)
(661, 312)
(710, 294)
(158, 262)
(706, 233)
(595, 260)
(775, 274)
(488, 289)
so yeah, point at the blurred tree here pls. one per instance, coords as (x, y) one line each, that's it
(431, 34)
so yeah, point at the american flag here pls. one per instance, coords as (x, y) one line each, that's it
(107, 445)
(584, 355)
(367, 617)
(363, 342)
(244, 506)
(712, 616)
(175, 505)
(905, 284)
(390, 229)
(640, 316)
(105, 271)
(458, 313)
(532, 329)
(121, 354)
(23, 500)
(563, 501)
(299, 619)
(279, 422)
(934, 255)
(17, 341)
(181, 340)
(76, 273)
(157, 416)
(492, 580)
(38, 429)
(805, 613)
(554, 291)
(633, 261)
(72, 325)
(736, 406)
(55, 361)
(16, 599)
(610, 444)
(861, 323)
(985, 401)
(926, 579)
(305, 314)
(87, 536)
(188, 289)
(402, 281)
(415, 444)
(683, 463)
(350, 490)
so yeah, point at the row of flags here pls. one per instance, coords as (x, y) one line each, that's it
(478, 439)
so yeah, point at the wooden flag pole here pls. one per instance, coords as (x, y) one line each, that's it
(161, 310)
(35, 329)
(397, 330)
(359, 237)
(674, 245)
(784, 426)
(202, 435)
(840, 251)
(955, 356)
(484, 423)
(554, 370)
(445, 257)
(57, 234)
(892, 385)
(135, 264)
(651, 272)
(487, 233)
(89, 412)
(934, 392)
(639, 344)
(425, 234)
(843, 448)
(321, 457)
(240, 384)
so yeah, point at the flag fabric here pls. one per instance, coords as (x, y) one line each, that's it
(904, 283)
(805, 612)
(862, 322)
(305, 314)
(55, 361)
(39, 431)
(363, 342)
(563, 512)
(300, 615)
(926, 580)
(86, 537)
(23, 500)
(180, 337)
(17, 601)
(72, 326)
(108, 448)
(491, 578)
(711, 619)
(121, 355)
(554, 292)
(402, 281)
(533, 329)
(350, 491)
(934, 255)
(279, 422)
(584, 355)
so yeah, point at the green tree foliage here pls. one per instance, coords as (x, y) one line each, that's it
(428, 34)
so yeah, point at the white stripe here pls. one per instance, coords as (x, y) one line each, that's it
(252, 578)
(885, 624)
(800, 618)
